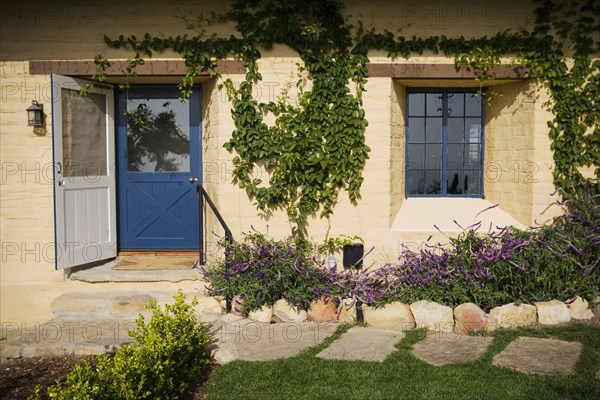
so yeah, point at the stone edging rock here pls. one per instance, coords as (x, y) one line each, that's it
(464, 318)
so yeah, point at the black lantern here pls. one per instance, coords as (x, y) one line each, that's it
(35, 114)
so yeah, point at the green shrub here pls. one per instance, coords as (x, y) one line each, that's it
(163, 357)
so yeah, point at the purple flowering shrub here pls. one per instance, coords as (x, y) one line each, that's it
(555, 261)
(264, 270)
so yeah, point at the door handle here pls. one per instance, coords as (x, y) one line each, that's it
(193, 180)
(59, 176)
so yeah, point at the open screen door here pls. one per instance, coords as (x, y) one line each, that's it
(84, 173)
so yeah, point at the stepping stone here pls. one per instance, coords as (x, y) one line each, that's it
(365, 344)
(254, 341)
(440, 348)
(540, 356)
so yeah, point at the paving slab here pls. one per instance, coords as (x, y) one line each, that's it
(365, 344)
(442, 348)
(540, 356)
(253, 341)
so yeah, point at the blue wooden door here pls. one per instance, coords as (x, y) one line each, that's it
(159, 166)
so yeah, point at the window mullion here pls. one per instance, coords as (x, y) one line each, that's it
(444, 141)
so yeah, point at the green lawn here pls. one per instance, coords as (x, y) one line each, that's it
(402, 376)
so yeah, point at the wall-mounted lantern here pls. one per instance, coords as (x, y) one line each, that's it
(35, 114)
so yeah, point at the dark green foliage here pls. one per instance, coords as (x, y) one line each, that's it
(317, 147)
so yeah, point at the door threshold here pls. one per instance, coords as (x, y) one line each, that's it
(157, 260)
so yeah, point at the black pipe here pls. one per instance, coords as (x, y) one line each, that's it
(359, 312)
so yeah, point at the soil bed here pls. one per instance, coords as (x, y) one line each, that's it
(19, 376)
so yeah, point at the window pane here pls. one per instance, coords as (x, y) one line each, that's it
(83, 134)
(158, 135)
(456, 130)
(473, 154)
(456, 104)
(416, 182)
(472, 182)
(433, 182)
(433, 156)
(416, 130)
(473, 105)
(416, 156)
(416, 104)
(455, 156)
(454, 182)
(434, 104)
(434, 130)
(473, 130)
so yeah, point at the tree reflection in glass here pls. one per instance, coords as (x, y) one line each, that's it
(157, 135)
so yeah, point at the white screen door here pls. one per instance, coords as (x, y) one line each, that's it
(84, 173)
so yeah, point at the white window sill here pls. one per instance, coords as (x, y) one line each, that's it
(419, 214)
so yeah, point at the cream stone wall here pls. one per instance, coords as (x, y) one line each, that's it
(515, 132)
(397, 149)
(26, 208)
(26, 203)
(518, 159)
(66, 29)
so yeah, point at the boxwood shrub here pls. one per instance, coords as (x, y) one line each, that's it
(163, 357)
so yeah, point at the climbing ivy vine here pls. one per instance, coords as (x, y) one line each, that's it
(316, 145)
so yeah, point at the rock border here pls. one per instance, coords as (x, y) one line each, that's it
(463, 319)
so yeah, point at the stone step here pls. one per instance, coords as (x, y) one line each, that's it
(64, 336)
(91, 305)
(106, 273)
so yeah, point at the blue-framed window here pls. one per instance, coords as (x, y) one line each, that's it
(444, 143)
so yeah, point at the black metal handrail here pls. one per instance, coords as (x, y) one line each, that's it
(228, 236)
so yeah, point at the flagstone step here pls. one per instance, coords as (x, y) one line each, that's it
(540, 356)
(442, 348)
(365, 344)
(122, 304)
(243, 339)
(107, 273)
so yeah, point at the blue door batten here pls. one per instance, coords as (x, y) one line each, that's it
(159, 165)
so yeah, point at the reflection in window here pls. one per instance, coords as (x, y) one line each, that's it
(444, 136)
(158, 136)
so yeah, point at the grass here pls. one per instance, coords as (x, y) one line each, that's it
(402, 376)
